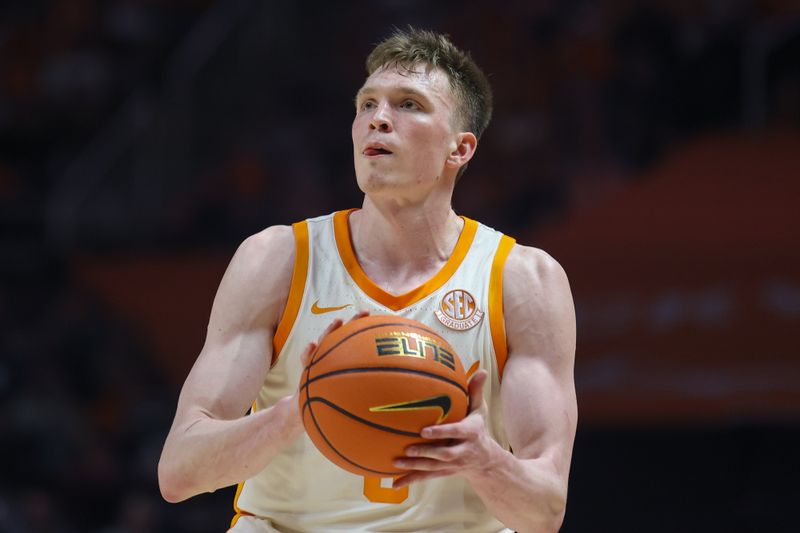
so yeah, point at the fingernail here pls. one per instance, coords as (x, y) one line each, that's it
(426, 433)
(399, 463)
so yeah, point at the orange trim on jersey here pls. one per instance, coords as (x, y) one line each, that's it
(296, 289)
(239, 512)
(397, 302)
(239, 487)
(474, 368)
(497, 323)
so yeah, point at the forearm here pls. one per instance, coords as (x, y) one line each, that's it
(208, 454)
(524, 494)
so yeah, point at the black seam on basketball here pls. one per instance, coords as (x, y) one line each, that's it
(382, 369)
(397, 324)
(364, 421)
(308, 375)
(332, 447)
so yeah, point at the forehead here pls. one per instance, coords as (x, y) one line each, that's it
(432, 83)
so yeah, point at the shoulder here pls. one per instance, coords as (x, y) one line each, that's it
(531, 269)
(265, 256)
(259, 275)
(268, 248)
(537, 299)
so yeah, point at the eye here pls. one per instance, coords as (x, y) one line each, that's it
(409, 104)
(367, 105)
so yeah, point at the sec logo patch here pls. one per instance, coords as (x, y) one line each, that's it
(459, 311)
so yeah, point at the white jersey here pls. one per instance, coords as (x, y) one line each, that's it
(300, 490)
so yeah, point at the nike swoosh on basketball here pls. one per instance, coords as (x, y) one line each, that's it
(317, 310)
(442, 402)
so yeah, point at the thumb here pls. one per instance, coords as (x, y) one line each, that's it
(475, 388)
(305, 357)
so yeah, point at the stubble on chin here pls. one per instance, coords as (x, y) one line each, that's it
(376, 182)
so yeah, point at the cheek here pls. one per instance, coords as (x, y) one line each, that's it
(360, 123)
(433, 142)
(355, 137)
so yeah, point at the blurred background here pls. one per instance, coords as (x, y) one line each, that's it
(652, 147)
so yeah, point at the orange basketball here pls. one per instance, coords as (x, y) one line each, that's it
(372, 385)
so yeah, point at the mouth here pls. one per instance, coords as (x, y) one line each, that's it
(375, 150)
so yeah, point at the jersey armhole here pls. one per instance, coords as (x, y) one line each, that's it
(497, 323)
(296, 289)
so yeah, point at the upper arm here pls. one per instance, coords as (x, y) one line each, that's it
(237, 352)
(538, 388)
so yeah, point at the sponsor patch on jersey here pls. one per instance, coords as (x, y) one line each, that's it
(458, 310)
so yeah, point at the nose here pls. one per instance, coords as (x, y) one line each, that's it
(381, 119)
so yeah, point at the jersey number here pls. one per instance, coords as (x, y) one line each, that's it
(379, 494)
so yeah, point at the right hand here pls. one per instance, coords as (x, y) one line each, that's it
(305, 357)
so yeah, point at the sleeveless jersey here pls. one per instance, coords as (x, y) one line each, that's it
(300, 490)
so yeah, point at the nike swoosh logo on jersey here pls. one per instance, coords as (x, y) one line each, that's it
(317, 310)
(442, 402)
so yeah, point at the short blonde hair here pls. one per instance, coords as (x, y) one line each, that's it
(411, 47)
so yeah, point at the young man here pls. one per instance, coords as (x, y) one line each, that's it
(505, 308)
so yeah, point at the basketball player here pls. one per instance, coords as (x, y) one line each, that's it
(505, 308)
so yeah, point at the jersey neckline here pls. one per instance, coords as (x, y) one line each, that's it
(396, 302)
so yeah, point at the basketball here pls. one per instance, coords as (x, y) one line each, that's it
(372, 385)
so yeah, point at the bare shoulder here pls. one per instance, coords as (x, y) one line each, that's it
(537, 300)
(530, 272)
(256, 284)
(270, 251)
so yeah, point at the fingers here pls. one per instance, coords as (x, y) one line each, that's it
(305, 357)
(431, 451)
(336, 324)
(423, 464)
(417, 476)
(464, 429)
(360, 314)
(475, 388)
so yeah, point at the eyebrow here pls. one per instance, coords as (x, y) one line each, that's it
(365, 91)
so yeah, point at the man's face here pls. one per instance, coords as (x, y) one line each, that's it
(404, 130)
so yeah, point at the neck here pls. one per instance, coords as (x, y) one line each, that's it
(403, 241)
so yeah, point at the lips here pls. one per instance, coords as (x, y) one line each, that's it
(376, 149)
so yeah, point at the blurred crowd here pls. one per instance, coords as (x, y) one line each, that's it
(588, 94)
(82, 411)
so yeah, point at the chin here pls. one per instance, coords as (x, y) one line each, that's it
(375, 183)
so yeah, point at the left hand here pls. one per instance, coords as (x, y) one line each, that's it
(468, 447)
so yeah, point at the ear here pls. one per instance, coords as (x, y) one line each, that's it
(465, 148)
